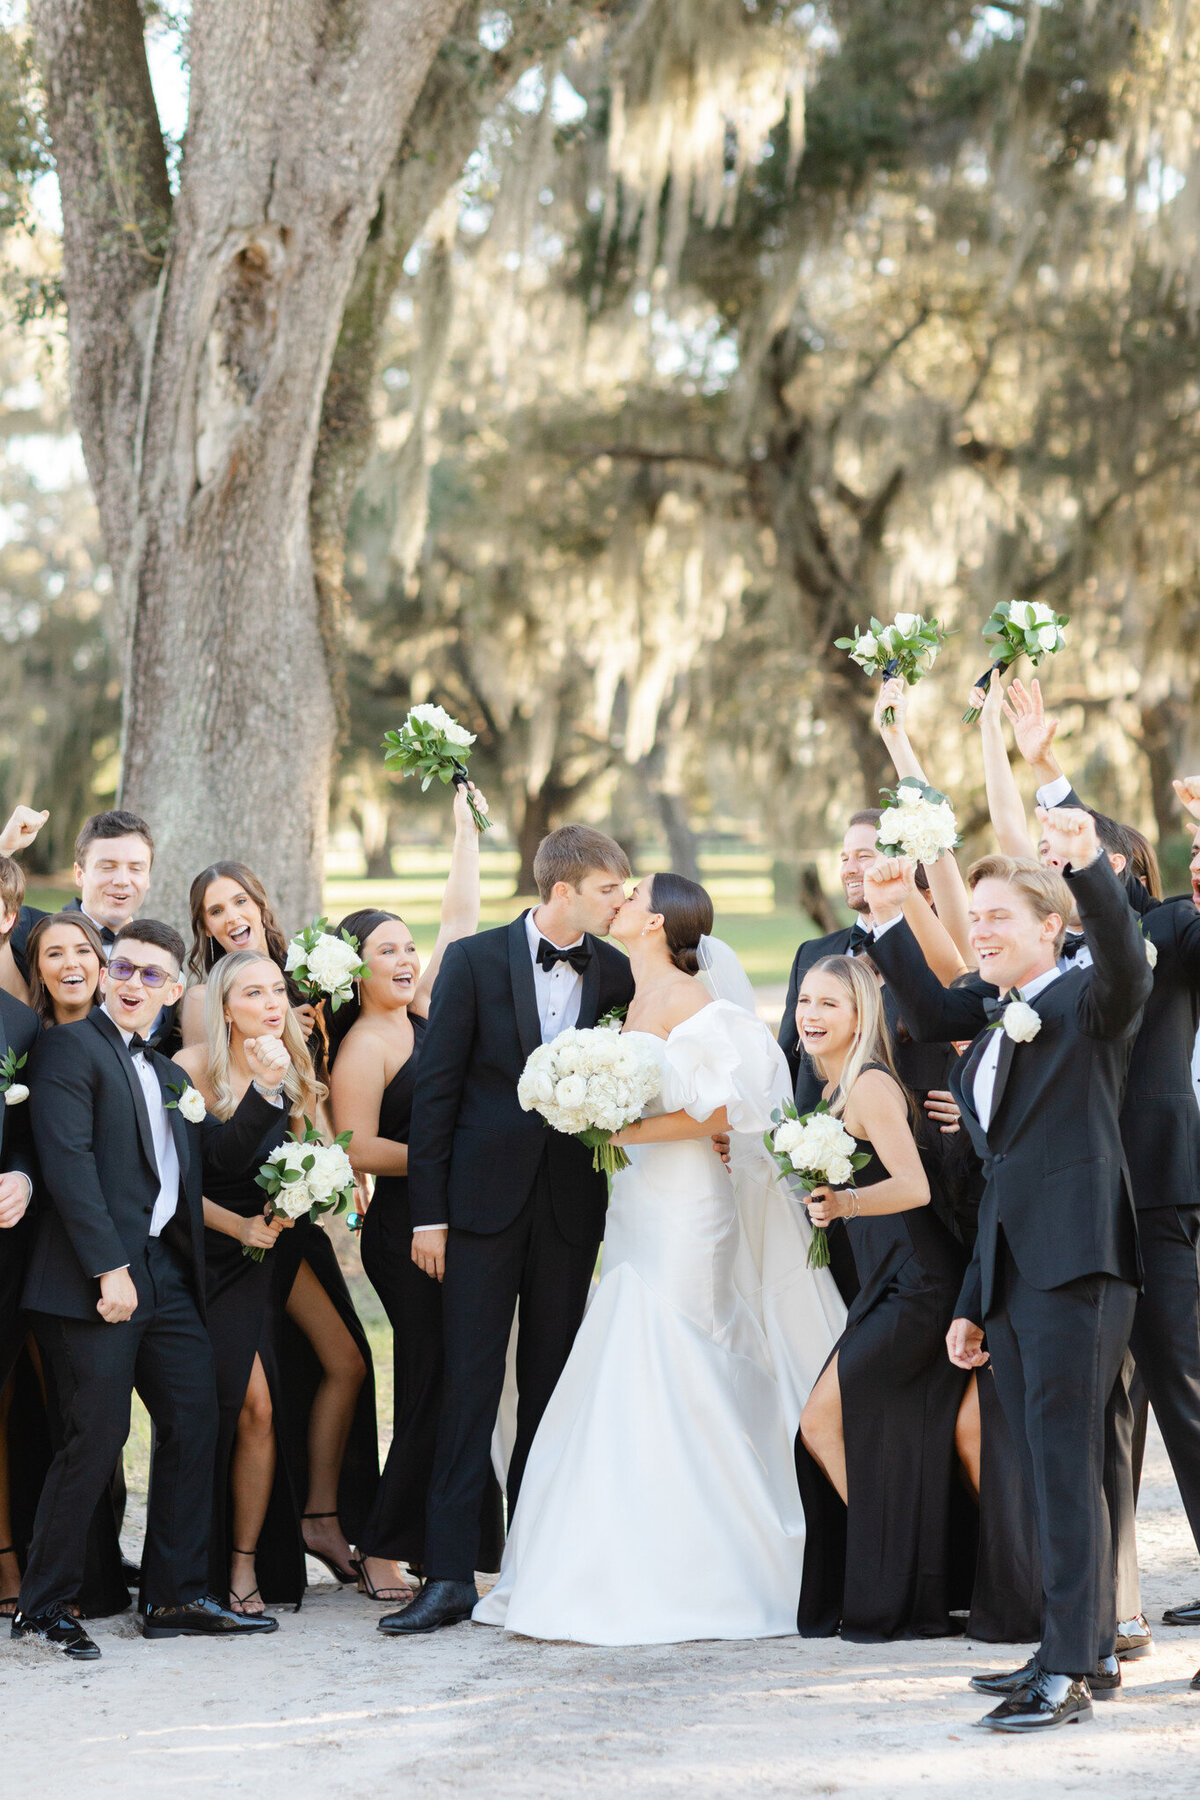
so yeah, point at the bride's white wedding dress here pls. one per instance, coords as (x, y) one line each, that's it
(659, 1502)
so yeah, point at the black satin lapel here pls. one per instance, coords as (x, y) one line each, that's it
(1007, 1046)
(966, 1078)
(589, 995)
(520, 968)
(116, 1044)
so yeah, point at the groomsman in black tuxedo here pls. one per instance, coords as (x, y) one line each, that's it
(503, 1208)
(19, 1028)
(1054, 1278)
(115, 1290)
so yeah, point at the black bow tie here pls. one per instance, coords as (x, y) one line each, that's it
(1072, 944)
(859, 935)
(579, 956)
(995, 1007)
(137, 1043)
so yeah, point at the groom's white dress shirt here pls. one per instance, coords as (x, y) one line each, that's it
(559, 990)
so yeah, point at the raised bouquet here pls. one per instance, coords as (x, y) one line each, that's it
(323, 966)
(819, 1151)
(1019, 628)
(304, 1177)
(919, 822)
(907, 648)
(433, 745)
(590, 1084)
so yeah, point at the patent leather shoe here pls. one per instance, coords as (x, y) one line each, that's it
(205, 1617)
(59, 1631)
(1105, 1683)
(1134, 1638)
(438, 1603)
(1043, 1704)
(1183, 1615)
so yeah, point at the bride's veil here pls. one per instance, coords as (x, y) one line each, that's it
(798, 1308)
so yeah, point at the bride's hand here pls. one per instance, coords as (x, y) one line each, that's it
(825, 1205)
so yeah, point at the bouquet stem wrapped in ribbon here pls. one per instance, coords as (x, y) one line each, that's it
(1019, 628)
(305, 1177)
(907, 647)
(817, 1151)
(434, 746)
(591, 1084)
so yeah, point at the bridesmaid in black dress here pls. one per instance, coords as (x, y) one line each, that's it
(888, 1551)
(375, 1046)
(325, 1410)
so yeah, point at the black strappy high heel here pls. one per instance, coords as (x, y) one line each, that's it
(347, 1576)
(387, 1595)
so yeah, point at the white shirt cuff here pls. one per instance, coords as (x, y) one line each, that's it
(1055, 792)
(877, 931)
(417, 1228)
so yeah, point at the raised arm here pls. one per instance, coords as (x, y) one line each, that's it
(1005, 806)
(948, 947)
(933, 1014)
(1121, 980)
(460, 900)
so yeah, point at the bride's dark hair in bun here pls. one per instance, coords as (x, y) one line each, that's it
(687, 914)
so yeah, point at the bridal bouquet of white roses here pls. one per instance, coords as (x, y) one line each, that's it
(907, 648)
(819, 1151)
(1019, 628)
(434, 746)
(325, 966)
(590, 1084)
(306, 1176)
(919, 822)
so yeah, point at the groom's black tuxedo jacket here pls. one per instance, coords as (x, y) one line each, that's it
(92, 1132)
(1057, 1180)
(473, 1154)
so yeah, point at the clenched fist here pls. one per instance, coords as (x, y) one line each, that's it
(1069, 835)
(21, 829)
(889, 886)
(268, 1059)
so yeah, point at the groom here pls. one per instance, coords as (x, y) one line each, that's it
(503, 1208)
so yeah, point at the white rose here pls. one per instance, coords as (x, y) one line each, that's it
(908, 794)
(192, 1107)
(293, 1200)
(1047, 638)
(866, 649)
(887, 640)
(295, 956)
(838, 1170)
(1021, 613)
(439, 719)
(15, 1093)
(331, 1170)
(1021, 1023)
(1151, 954)
(906, 623)
(787, 1136)
(1043, 614)
(331, 962)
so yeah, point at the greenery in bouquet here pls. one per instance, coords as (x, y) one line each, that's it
(906, 648)
(324, 966)
(1019, 628)
(304, 1177)
(435, 747)
(817, 1151)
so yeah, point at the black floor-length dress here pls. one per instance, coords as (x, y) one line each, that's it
(413, 1303)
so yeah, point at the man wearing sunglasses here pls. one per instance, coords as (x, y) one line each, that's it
(115, 1290)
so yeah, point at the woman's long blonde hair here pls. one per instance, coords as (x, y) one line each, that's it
(300, 1084)
(872, 1041)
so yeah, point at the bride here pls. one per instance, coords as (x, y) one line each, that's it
(660, 1503)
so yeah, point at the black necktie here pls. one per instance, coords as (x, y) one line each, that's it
(860, 934)
(579, 956)
(137, 1044)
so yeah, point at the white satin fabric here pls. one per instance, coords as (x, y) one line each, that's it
(659, 1503)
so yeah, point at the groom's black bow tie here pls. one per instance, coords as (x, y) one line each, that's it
(579, 956)
(137, 1043)
(860, 934)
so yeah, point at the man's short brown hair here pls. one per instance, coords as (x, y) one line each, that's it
(573, 852)
(1042, 889)
(12, 887)
(112, 825)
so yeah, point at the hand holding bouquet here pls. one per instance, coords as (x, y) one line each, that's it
(304, 1177)
(432, 744)
(820, 1152)
(325, 966)
(906, 649)
(1019, 628)
(590, 1084)
(918, 823)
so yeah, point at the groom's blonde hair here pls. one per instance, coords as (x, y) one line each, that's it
(1043, 890)
(571, 853)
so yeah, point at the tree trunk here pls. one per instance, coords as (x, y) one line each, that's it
(296, 114)
(815, 901)
(535, 823)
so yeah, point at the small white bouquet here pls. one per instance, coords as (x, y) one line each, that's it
(907, 648)
(819, 1151)
(306, 1176)
(433, 745)
(590, 1084)
(919, 822)
(325, 966)
(1019, 628)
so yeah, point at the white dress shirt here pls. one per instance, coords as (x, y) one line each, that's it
(984, 1086)
(559, 990)
(166, 1157)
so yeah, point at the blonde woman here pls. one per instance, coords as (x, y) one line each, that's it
(876, 1449)
(297, 1446)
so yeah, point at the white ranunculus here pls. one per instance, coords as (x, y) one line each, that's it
(1021, 1023)
(571, 1091)
(907, 623)
(535, 1086)
(866, 649)
(439, 719)
(15, 1093)
(1043, 614)
(1151, 954)
(1047, 638)
(192, 1107)
(331, 963)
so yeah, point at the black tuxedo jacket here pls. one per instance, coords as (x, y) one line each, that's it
(92, 1133)
(473, 1154)
(19, 1028)
(1057, 1179)
(835, 944)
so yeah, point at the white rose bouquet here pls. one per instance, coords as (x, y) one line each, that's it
(1019, 628)
(325, 966)
(432, 744)
(305, 1176)
(590, 1084)
(919, 822)
(819, 1151)
(907, 648)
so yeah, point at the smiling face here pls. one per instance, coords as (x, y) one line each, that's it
(1011, 942)
(69, 969)
(231, 917)
(391, 955)
(113, 879)
(257, 1002)
(133, 1000)
(826, 1016)
(860, 852)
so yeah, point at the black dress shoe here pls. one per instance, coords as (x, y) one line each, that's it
(1183, 1615)
(1105, 1683)
(59, 1630)
(1044, 1703)
(1195, 1681)
(131, 1573)
(204, 1618)
(1134, 1638)
(438, 1603)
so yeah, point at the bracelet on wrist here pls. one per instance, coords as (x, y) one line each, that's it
(268, 1093)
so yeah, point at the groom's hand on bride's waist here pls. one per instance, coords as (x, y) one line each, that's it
(720, 1144)
(429, 1251)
